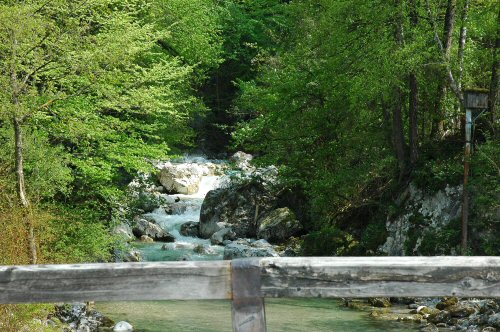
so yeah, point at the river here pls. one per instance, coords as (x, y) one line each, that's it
(214, 316)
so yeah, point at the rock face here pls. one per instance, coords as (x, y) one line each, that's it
(243, 248)
(241, 204)
(279, 225)
(145, 227)
(182, 178)
(425, 213)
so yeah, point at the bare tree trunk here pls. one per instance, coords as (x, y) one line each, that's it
(449, 24)
(21, 189)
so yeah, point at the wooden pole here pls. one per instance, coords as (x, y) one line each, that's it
(465, 200)
(248, 313)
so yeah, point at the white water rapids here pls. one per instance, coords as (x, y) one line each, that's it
(186, 208)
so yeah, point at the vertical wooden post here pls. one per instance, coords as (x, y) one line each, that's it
(248, 304)
(465, 201)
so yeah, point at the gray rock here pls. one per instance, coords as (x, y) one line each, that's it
(460, 310)
(279, 226)
(429, 328)
(489, 329)
(494, 320)
(380, 302)
(190, 228)
(131, 255)
(123, 327)
(240, 205)
(222, 235)
(244, 248)
(147, 239)
(154, 231)
(437, 209)
(439, 317)
(182, 178)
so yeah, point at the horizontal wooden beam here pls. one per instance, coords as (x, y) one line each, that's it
(381, 277)
(280, 277)
(115, 281)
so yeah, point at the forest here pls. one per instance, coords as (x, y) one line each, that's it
(353, 101)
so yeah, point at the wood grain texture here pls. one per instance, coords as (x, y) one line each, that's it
(381, 276)
(113, 282)
(280, 277)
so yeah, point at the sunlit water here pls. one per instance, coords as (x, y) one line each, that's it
(291, 315)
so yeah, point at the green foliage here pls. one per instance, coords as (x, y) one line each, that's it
(374, 235)
(329, 241)
(76, 235)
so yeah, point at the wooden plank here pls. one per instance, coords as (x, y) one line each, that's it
(248, 313)
(381, 276)
(113, 282)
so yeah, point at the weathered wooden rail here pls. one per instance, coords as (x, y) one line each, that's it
(248, 281)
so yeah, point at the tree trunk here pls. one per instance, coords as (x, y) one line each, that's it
(21, 189)
(449, 24)
(413, 118)
(398, 138)
(461, 44)
(413, 101)
(495, 79)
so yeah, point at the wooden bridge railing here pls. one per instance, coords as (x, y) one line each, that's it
(248, 281)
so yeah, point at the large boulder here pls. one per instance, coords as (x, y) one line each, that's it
(242, 161)
(279, 226)
(243, 248)
(182, 178)
(239, 205)
(154, 231)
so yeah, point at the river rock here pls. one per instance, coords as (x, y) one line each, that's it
(446, 302)
(380, 302)
(221, 235)
(181, 178)
(244, 248)
(147, 239)
(494, 320)
(131, 255)
(190, 228)
(279, 226)
(241, 205)
(154, 231)
(439, 317)
(460, 310)
(123, 327)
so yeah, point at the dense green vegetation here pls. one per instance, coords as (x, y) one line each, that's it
(353, 100)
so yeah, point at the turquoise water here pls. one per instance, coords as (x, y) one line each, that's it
(282, 315)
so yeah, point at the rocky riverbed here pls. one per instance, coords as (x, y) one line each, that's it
(446, 314)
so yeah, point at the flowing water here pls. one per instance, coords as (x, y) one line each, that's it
(214, 316)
